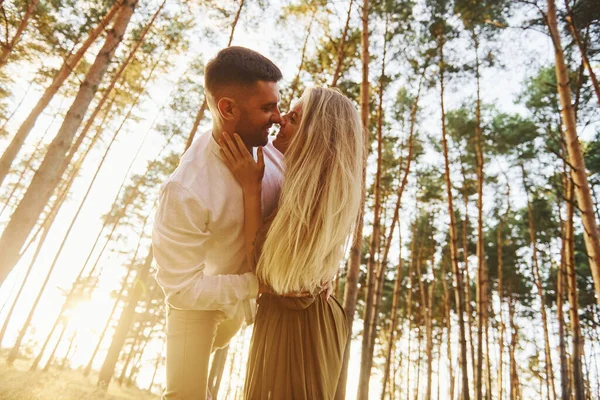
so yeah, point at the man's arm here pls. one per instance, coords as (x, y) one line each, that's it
(179, 239)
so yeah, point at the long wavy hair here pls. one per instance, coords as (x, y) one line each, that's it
(320, 197)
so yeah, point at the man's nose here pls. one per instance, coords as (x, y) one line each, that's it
(276, 117)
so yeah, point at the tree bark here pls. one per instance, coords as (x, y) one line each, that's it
(582, 48)
(200, 114)
(69, 65)
(125, 321)
(46, 177)
(453, 237)
(393, 324)
(515, 391)
(369, 320)
(426, 293)
(538, 283)
(216, 371)
(576, 336)
(14, 352)
(296, 81)
(46, 228)
(500, 255)
(124, 286)
(341, 48)
(481, 323)
(449, 332)
(9, 47)
(579, 174)
(351, 287)
(51, 357)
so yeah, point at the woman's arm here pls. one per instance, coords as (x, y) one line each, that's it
(252, 220)
(249, 174)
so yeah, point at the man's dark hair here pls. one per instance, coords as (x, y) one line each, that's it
(239, 66)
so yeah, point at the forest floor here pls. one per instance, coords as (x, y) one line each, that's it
(17, 383)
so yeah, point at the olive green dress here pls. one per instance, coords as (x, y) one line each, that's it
(297, 346)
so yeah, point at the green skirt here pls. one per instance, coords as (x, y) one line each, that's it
(297, 348)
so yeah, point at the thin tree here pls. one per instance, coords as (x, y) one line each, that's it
(8, 47)
(538, 283)
(200, 114)
(372, 275)
(341, 48)
(124, 325)
(582, 48)
(500, 289)
(577, 338)
(458, 290)
(296, 81)
(351, 286)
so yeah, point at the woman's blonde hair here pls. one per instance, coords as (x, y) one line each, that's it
(320, 197)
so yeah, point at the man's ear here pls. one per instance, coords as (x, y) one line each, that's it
(227, 108)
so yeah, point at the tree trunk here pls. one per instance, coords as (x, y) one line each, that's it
(46, 228)
(393, 323)
(564, 370)
(373, 275)
(515, 391)
(114, 80)
(458, 290)
(561, 282)
(480, 253)
(200, 114)
(69, 65)
(124, 286)
(216, 371)
(576, 337)
(500, 246)
(419, 336)
(538, 283)
(582, 48)
(296, 81)
(449, 333)
(341, 48)
(351, 287)
(426, 310)
(9, 47)
(158, 360)
(51, 357)
(65, 359)
(579, 174)
(125, 321)
(133, 350)
(37, 148)
(14, 352)
(415, 254)
(467, 276)
(46, 177)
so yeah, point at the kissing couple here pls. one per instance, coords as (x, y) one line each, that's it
(254, 229)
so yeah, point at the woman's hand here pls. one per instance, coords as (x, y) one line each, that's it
(247, 172)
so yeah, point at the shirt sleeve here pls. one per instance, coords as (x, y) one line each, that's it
(180, 239)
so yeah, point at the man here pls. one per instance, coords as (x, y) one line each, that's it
(198, 233)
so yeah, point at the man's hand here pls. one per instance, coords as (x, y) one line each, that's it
(328, 290)
(263, 288)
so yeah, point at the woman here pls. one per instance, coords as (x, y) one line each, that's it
(300, 335)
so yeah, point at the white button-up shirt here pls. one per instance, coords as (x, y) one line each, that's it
(198, 232)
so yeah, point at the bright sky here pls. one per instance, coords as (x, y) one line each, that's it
(499, 87)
